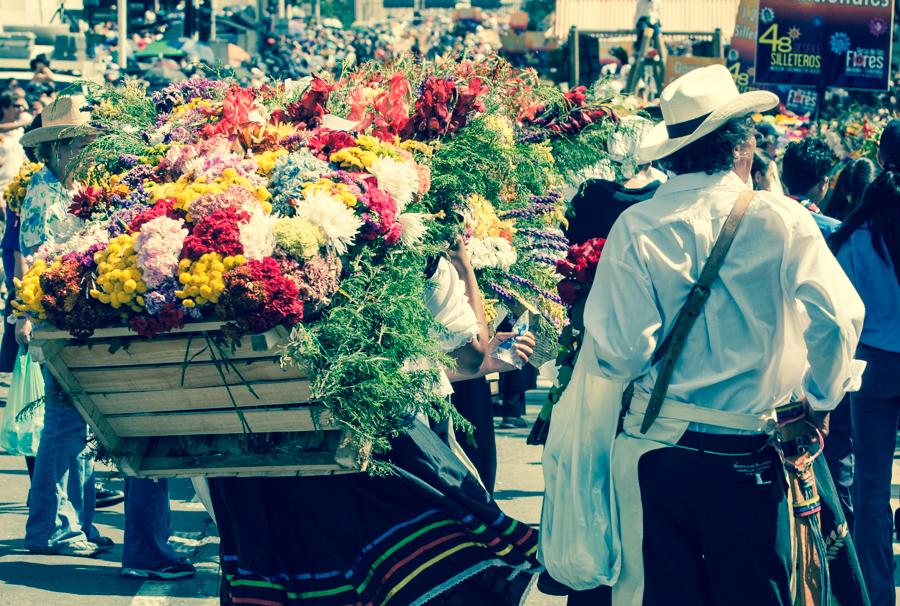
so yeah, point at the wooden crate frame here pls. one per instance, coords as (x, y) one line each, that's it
(179, 405)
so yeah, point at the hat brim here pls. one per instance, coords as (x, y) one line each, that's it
(657, 144)
(58, 132)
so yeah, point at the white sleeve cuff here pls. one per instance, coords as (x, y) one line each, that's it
(852, 383)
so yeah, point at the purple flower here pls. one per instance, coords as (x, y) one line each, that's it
(526, 283)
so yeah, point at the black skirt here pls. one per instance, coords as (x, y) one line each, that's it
(428, 533)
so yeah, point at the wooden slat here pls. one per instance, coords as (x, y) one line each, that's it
(169, 377)
(156, 351)
(277, 393)
(306, 464)
(85, 405)
(216, 422)
(49, 332)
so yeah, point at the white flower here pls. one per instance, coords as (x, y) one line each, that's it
(491, 252)
(412, 227)
(339, 223)
(398, 178)
(258, 235)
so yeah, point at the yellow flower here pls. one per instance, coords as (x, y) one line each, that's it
(412, 145)
(18, 186)
(265, 162)
(338, 190)
(119, 279)
(29, 292)
(354, 157)
(482, 218)
(201, 280)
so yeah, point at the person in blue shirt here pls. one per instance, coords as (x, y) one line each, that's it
(867, 246)
(805, 173)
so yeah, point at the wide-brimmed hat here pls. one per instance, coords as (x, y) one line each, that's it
(697, 104)
(62, 119)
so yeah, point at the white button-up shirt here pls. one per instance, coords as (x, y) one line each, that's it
(782, 316)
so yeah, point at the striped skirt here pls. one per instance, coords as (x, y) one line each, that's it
(429, 533)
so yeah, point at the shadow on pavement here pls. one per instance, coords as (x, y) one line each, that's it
(501, 495)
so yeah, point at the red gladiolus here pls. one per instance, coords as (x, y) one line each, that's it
(308, 111)
(326, 141)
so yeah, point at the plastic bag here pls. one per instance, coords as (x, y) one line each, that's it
(22, 436)
(580, 544)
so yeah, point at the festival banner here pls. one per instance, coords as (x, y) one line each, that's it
(825, 43)
(677, 66)
(741, 58)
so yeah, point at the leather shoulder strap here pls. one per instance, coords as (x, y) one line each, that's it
(671, 348)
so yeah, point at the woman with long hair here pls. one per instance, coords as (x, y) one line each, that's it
(850, 187)
(868, 248)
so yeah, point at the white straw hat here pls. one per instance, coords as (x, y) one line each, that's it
(62, 119)
(697, 104)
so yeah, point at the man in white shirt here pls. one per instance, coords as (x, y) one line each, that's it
(701, 494)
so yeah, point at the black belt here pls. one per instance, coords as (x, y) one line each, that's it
(723, 443)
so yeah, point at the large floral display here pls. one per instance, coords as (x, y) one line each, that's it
(253, 207)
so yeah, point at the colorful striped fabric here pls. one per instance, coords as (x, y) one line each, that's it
(408, 564)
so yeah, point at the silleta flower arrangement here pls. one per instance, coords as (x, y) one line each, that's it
(251, 206)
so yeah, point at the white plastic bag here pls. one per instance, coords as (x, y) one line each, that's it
(579, 543)
(22, 436)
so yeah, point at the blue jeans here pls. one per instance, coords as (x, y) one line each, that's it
(148, 525)
(876, 413)
(839, 456)
(61, 505)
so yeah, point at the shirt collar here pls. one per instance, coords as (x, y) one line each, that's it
(696, 181)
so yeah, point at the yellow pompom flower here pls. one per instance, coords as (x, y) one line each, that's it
(299, 237)
(29, 292)
(119, 281)
(265, 162)
(202, 281)
(354, 157)
(332, 188)
(18, 186)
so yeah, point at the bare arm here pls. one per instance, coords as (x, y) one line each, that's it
(523, 348)
(470, 357)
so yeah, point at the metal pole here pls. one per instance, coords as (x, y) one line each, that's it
(574, 67)
(281, 9)
(123, 33)
(212, 23)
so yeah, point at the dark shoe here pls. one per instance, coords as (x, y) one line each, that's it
(108, 498)
(179, 570)
(550, 586)
(513, 423)
(104, 544)
(76, 549)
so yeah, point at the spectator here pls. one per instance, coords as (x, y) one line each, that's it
(850, 187)
(806, 167)
(40, 66)
(869, 251)
(13, 120)
(763, 171)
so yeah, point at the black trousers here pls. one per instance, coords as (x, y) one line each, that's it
(473, 401)
(716, 528)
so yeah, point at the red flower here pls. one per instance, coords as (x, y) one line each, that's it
(308, 111)
(219, 232)
(170, 317)
(326, 141)
(391, 110)
(470, 101)
(258, 297)
(236, 108)
(578, 269)
(163, 207)
(569, 291)
(85, 201)
(381, 216)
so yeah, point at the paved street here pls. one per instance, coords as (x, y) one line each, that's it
(32, 580)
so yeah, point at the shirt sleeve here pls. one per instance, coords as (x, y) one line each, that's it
(817, 281)
(621, 313)
(448, 303)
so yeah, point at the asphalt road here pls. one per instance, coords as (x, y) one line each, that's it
(33, 580)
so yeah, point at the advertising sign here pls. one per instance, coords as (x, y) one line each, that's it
(741, 58)
(679, 66)
(825, 43)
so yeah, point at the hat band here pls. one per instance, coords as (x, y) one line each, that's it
(683, 129)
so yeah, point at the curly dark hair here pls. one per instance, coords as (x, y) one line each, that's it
(805, 164)
(712, 153)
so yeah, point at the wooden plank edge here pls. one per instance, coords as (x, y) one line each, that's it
(85, 405)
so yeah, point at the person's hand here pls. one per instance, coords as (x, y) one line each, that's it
(23, 331)
(820, 418)
(523, 348)
(457, 253)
